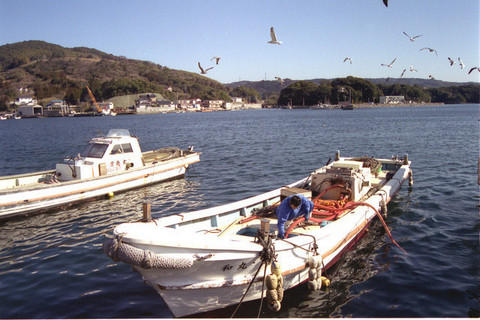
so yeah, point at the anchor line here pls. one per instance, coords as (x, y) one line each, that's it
(263, 288)
(266, 255)
(248, 288)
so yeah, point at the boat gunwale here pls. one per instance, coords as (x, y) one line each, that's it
(181, 218)
(42, 185)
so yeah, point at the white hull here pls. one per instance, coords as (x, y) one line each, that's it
(220, 259)
(41, 197)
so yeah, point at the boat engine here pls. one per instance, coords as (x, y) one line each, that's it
(351, 175)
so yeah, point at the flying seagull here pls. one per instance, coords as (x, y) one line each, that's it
(282, 81)
(452, 62)
(412, 38)
(474, 69)
(274, 37)
(348, 59)
(202, 71)
(431, 77)
(403, 72)
(216, 59)
(390, 64)
(385, 2)
(430, 49)
(461, 63)
(412, 68)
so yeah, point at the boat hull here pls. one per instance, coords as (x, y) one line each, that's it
(226, 263)
(43, 197)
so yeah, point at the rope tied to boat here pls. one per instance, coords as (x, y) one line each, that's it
(266, 255)
(146, 259)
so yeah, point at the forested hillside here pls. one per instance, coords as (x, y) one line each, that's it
(62, 73)
(55, 72)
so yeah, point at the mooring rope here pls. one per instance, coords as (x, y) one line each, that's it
(266, 255)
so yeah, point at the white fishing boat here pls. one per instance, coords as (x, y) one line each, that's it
(213, 258)
(108, 164)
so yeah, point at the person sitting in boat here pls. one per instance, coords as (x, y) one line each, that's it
(292, 207)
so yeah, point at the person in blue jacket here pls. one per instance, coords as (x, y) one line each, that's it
(292, 207)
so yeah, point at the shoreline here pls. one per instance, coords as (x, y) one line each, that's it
(413, 104)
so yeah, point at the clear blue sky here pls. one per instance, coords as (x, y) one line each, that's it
(317, 35)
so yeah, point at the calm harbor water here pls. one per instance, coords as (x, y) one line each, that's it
(52, 265)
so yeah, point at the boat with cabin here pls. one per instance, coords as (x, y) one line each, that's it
(109, 164)
(212, 258)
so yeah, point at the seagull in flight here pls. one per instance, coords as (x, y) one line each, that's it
(403, 72)
(274, 37)
(412, 68)
(203, 71)
(452, 62)
(385, 2)
(216, 59)
(474, 69)
(430, 49)
(390, 64)
(282, 81)
(431, 77)
(348, 59)
(461, 63)
(412, 38)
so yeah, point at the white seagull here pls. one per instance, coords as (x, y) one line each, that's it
(452, 62)
(474, 69)
(348, 59)
(216, 59)
(430, 49)
(412, 68)
(412, 38)
(461, 63)
(431, 77)
(203, 71)
(274, 37)
(385, 2)
(390, 64)
(282, 81)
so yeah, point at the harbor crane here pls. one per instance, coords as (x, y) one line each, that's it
(99, 109)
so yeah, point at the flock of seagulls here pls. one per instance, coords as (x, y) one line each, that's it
(412, 69)
(274, 40)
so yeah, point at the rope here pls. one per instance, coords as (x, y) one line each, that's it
(267, 255)
(263, 288)
(249, 285)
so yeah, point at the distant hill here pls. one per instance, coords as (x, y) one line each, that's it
(53, 71)
(273, 86)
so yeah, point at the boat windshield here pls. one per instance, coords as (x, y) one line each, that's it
(94, 150)
(118, 133)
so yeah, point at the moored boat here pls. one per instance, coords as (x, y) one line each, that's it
(213, 258)
(108, 164)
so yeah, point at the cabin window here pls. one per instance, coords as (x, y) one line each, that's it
(127, 147)
(94, 150)
(117, 149)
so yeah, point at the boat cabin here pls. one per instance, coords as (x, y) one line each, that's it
(117, 152)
